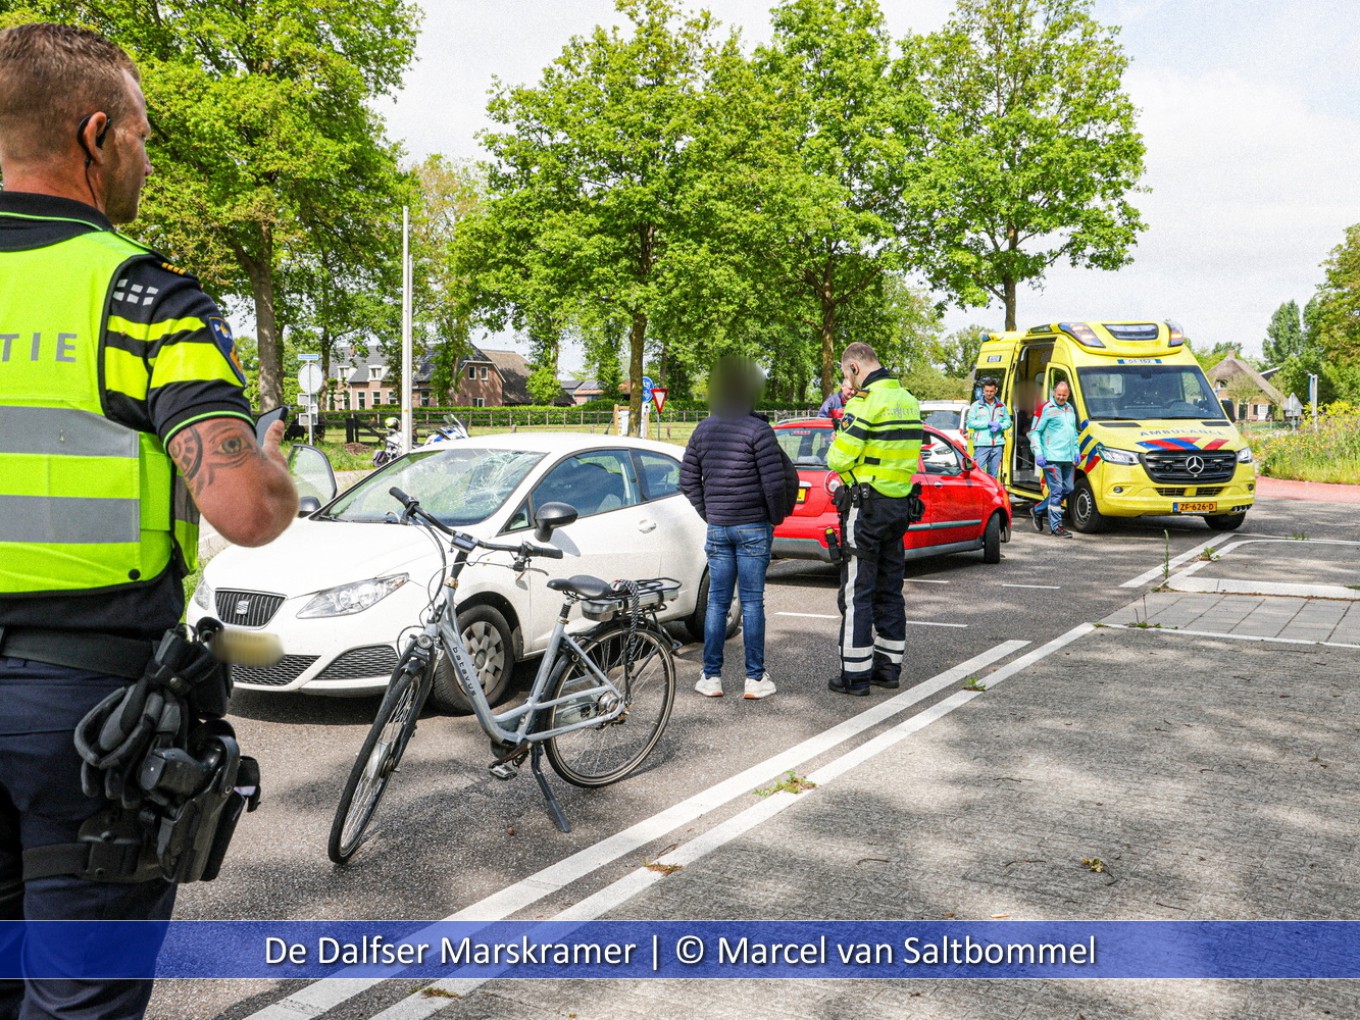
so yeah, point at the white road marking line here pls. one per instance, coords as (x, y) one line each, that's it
(417, 1007)
(1229, 637)
(1047, 587)
(327, 993)
(811, 616)
(922, 580)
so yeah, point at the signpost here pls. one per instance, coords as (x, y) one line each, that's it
(1293, 408)
(310, 380)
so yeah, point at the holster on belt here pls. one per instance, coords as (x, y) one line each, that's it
(159, 751)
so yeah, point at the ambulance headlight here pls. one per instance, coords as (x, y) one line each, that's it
(1112, 456)
(1244, 456)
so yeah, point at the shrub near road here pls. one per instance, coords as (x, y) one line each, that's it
(1328, 453)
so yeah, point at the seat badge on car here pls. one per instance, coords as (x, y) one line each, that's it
(242, 607)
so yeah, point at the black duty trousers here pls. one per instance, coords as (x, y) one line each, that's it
(41, 804)
(873, 610)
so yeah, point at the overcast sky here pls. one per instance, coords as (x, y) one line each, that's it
(1250, 110)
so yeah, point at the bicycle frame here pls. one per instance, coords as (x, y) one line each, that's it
(445, 626)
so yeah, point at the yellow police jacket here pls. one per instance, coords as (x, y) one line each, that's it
(879, 440)
(86, 504)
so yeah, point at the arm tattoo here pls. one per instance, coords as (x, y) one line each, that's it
(218, 445)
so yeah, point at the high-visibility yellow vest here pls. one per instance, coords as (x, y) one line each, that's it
(86, 504)
(879, 440)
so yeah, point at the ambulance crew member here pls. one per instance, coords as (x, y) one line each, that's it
(1054, 441)
(988, 421)
(876, 452)
(121, 407)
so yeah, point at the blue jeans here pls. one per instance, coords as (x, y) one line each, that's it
(738, 556)
(989, 459)
(1059, 478)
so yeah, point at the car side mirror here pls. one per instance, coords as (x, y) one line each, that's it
(968, 464)
(552, 516)
(308, 505)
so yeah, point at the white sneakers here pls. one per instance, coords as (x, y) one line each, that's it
(761, 688)
(711, 687)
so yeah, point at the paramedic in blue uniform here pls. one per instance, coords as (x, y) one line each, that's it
(1054, 440)
(122, 415)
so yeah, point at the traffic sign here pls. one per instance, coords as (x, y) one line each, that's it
(309, 378)
(647, 387)
(309, 357)
(659, 394)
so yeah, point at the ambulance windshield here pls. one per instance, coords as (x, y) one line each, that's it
(1138, 392)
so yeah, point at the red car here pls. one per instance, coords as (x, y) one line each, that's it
(966, 508)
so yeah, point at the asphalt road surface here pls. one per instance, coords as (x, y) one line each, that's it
(450, 838)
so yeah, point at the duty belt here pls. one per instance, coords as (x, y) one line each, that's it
(99, 653)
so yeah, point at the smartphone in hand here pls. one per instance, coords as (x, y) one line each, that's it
(269, 418)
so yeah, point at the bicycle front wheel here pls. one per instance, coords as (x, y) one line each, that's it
(378, 759)
(605, 753)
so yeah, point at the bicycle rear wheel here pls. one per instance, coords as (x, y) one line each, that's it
(378, 758)
(604, 754)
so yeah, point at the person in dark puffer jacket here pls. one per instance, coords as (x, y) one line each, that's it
(733, 473)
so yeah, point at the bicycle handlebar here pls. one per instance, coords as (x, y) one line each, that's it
(522, 550)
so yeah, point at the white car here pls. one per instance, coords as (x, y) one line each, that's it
(340, 587)
(947, 416)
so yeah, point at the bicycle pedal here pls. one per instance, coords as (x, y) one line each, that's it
(503, 769)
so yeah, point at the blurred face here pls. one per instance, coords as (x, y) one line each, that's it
(989, 393)
(1060, 393)
(126, 164)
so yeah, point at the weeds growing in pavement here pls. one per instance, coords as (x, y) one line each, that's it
(791, 783)
(974, 684)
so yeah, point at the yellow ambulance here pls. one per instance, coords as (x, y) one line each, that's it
(1154, 439)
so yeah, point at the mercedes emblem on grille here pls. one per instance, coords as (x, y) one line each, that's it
(242, 607)
(1195, 465)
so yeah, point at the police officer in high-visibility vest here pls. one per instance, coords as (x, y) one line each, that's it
(122, 414)
(876, 452)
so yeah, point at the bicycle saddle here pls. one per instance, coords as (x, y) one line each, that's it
(583, 585)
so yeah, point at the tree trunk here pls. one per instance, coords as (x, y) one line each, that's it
(637, 340)
(267, 333)
(1010, 286)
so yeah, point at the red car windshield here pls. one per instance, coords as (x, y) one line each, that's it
(806, 445)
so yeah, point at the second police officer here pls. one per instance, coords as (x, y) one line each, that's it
(876, 452)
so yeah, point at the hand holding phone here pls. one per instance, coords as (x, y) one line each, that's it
(269, 418)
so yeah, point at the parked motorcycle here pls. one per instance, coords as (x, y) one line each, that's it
(392, 447)
(451, 430)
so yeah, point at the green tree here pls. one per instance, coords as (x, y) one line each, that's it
(957, 353)
(1034, 147)
(1284, 335)
(838, 127)
(1338, 307)
(593, 176)
(267, 148)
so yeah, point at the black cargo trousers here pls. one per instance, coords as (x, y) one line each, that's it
(873, 609)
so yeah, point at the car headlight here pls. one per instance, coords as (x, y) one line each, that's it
(1244, 456)
(348, 599)
(1113, 456)
(203, 595)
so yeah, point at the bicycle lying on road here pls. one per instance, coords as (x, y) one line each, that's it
(597, 707)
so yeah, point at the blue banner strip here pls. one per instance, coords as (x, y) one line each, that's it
(680, 949)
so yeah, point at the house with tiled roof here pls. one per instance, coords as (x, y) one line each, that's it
(1252, 396)
(484, 378)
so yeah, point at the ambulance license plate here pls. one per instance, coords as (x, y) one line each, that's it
(1193, 508)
